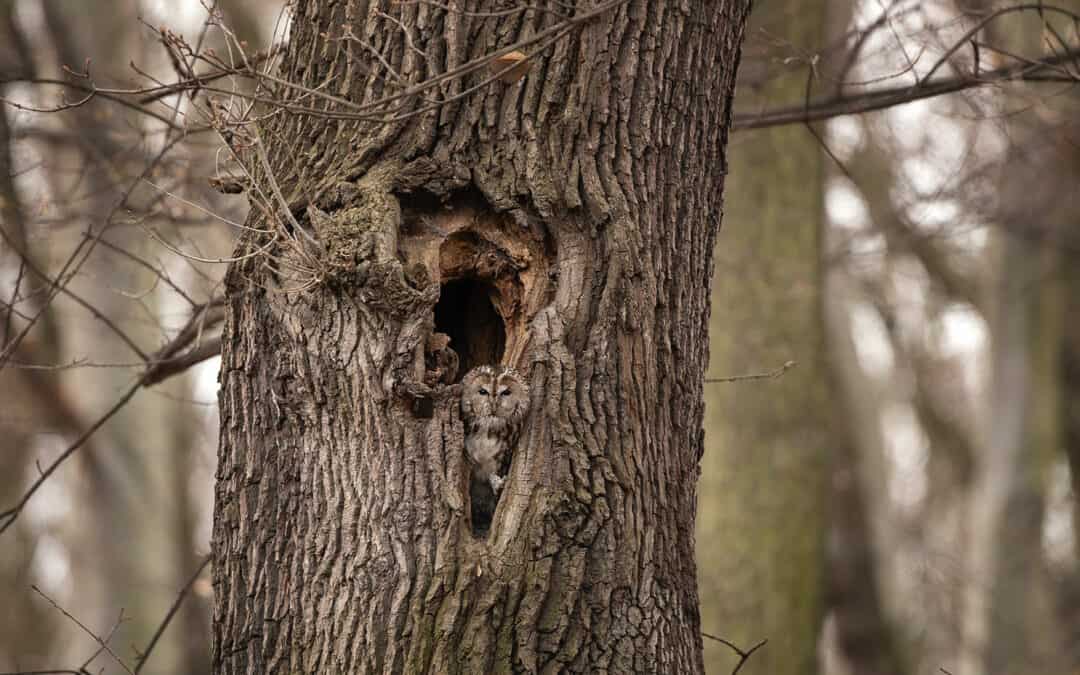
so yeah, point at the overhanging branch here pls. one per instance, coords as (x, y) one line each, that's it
(1043, 70)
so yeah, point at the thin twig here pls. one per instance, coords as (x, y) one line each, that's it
(744, 656)
(141, 661)
(771, 375)
(97, 652)
(86, 630)
(8, 516)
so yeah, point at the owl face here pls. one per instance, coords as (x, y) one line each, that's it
(497, 392)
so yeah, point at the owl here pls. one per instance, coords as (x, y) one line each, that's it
(494, 401)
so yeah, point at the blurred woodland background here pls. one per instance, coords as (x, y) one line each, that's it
(893, 410)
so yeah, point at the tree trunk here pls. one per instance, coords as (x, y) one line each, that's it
(1069, 587)
(764, 480)
(1009, 620)
(867, 641)
(562, 224)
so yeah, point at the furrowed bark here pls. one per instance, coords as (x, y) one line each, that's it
(581, 202)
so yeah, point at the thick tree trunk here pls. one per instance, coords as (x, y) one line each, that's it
(562, 224)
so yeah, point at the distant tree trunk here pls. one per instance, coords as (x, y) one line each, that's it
(569, 218)
(764, 483)
(26, 628)
(1010, 623)
(1069, 595)
(1025, 634)
(120, 554)
(866, 636)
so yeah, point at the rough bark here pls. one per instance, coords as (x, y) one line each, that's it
(764, 479)
(584, 201)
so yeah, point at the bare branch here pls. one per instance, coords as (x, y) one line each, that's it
(771, 375)
(744, 656)
(104, 645)
(1044, 70)
(145, 656)
(8, 516)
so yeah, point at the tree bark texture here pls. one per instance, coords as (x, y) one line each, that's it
(563, 224)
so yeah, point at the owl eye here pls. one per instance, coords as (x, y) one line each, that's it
(504, 392)
(483, 392)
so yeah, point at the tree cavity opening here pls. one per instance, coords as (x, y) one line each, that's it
(466, 313)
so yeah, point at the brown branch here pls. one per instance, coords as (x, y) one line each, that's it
(163, 370)
(54, 288)
(89, 92)
(8, 516)
(142, 659)
(74, 262)
(164, 364)
(744, 656)
(771, 375)
(160, 274)
(838, 106)
(199, 81)
(79, 300)
(101, 642)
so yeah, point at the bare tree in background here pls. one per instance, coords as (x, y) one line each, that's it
(762, 550)
(117, 532)
(960, 530)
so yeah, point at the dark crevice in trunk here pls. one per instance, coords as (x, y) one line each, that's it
(465, 313)
(483, 501)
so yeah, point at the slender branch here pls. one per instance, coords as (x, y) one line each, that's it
(145, 656)
(104, 645)
(744, 656)
(771, 375)
(159, 273)
(8, 516)
(54, 288)
(164, 364)
(89, 93)
(839, 106)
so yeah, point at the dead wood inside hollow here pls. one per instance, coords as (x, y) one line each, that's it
(492, 278)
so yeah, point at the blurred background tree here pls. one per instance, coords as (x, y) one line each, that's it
(947, 533)
(764, 475)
